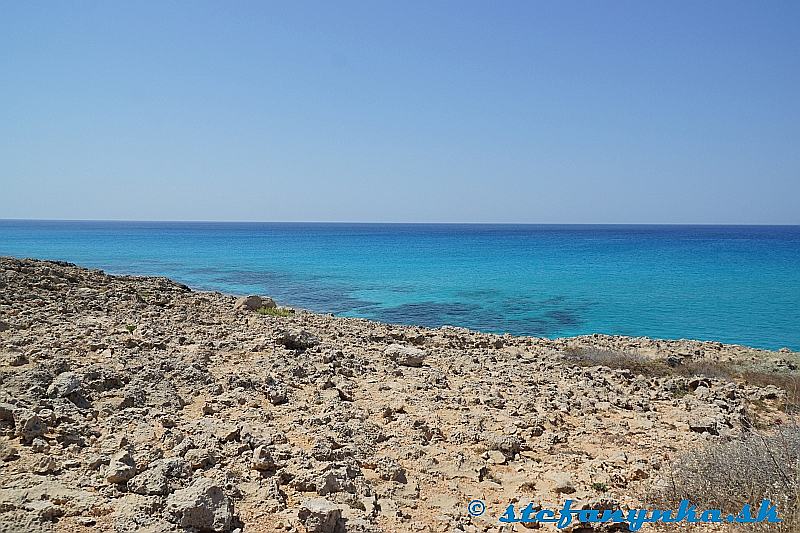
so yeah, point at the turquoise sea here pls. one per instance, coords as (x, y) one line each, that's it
(735, 284)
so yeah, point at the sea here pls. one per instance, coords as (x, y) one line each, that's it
(733, 284)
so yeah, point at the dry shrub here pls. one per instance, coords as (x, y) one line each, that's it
(618, 360)
(729, 474)
(789, 382)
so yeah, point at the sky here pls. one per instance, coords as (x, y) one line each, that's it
(404, 111)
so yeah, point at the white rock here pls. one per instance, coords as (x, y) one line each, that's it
(203, 505)
(320, 516)
(262, 460)
(251, 303)
(63, 385)
(405, 355)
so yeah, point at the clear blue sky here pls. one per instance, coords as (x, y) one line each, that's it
(606, 112)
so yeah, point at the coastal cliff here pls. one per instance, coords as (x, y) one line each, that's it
(136, 404)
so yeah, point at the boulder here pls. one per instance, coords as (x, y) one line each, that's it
(63, 385)
(220, 429)
(198, 458)
(321, 516)
(251, 303)
(700, 423)
(298, 339)
(405, 355)
(262, 459)
(202, 505)
(28, 425)
(562, 482)
(151, 482)
(389, 469)
(7, 452)
(121, 468)
(508, 445)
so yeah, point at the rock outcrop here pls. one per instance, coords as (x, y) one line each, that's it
(135, 404)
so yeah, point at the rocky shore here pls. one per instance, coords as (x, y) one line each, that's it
(136, 404)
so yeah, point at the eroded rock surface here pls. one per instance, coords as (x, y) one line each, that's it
(136, 404)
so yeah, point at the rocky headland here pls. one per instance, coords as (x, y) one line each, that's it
(136, 404)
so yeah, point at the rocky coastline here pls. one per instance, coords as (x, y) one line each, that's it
(136, 404)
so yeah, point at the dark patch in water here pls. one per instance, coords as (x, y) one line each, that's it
(535, 327)
(477, 294)
(563, 317)
(318, 294)
(477, 309)
(432, 314)
(555, 300)
(242, 277)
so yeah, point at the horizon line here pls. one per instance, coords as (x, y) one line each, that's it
(173, 221)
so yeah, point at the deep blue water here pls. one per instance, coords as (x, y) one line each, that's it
(737, 284)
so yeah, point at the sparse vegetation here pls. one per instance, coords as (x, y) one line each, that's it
(275, 311)
(789, 382)
(730, 474)
(761, 465)
(604, 433)
(131, 328)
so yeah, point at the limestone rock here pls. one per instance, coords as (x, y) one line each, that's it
(198, 458)
(7, 412)
(134, 513)
(298, 339)
(45, 464)
(28, 425)
(151, 482)
(221, 429)
(251, 303)
(63, 385)
(495, 457)
(508, 445)
(121, 467)
(262, 460)
(198, 391)
(7, 451)
(562, 482)
(203, 505)
(321, 516)
(405, 355)
(389, 469)
(703, 424)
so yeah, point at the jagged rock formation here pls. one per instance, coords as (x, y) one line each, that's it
(135, 404)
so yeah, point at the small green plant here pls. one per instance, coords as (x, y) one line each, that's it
(600, 487)
(131, 328)
(275, 311)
